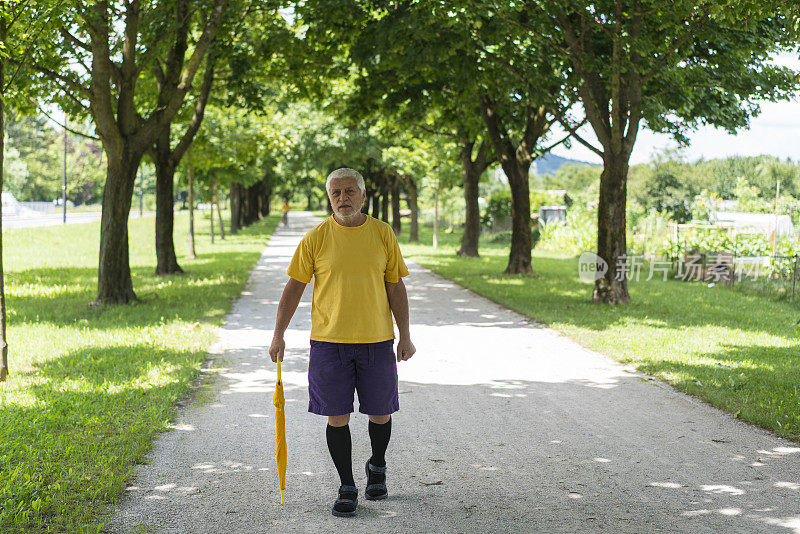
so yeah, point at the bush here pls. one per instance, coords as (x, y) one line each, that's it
(505, 237)
(577, 234)
(544, 198)
(498, 206)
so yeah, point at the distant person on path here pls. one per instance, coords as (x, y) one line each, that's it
(358, 270)
(285, 210)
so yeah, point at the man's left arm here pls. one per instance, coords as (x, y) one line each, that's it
(398, 302)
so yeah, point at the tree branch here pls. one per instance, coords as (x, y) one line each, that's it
(55, 76)
(35, 35)
(126, 105)
(74, 40)
(435, 132)
(497, 59)
(76, 132)
(158, 73)
(161, 116)
(553, 42)
(482, 160)
(496, 131)
(590, 90)
(570, 133)
(635, 89)
(100, 88)
(10, 24)
(199, 111)
(588, 145)
(535, 126)
(618, 112)
(177, 51)
(679, 42)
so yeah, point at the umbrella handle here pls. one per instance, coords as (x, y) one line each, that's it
(278, 359)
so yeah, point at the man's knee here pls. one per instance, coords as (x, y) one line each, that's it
(380, 419)
(339, 420)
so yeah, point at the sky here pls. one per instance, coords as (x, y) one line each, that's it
(776, 131)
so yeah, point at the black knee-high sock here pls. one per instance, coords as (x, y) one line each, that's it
(341, 449)
(379, 438)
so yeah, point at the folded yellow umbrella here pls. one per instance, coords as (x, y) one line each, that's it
(280, 431)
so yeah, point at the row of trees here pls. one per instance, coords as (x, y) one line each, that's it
(500, 77)
(142, 74)
(417, 90)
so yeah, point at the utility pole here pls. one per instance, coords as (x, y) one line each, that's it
(64, 173)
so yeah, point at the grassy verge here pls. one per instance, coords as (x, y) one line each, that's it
(90, 387)
(740, 352)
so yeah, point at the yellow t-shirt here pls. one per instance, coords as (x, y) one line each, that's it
(349, 265)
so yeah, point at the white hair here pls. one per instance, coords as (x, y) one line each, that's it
(346, 172)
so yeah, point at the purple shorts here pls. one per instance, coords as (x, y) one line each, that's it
(336, 370)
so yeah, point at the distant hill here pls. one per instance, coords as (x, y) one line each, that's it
(550, 163)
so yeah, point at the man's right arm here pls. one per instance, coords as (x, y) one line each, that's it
(292, 294)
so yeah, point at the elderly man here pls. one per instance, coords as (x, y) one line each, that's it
(358, 270)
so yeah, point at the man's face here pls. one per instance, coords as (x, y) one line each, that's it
(345, 196)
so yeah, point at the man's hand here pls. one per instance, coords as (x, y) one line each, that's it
(290, 298)
(277, 347)
(398, 302)
(405, 349)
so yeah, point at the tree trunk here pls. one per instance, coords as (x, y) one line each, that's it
(247, 207)
(266, 193)
(266, 205)
(519, 258)
(212, 223)
(166, 261)
(114, 284)
(612, 288)
(244, 207)
(252, 207)
(471, 172)
(3, 318)
(397, 224)
(263, 201)
(413, 197)
(190, 172)
(367, 201)
(613, 108)
(236, 207)
(118, 118)
(516, 161)
(219, 212)
(376, 204)
(385, 202)
(167, 159)
(472, 224)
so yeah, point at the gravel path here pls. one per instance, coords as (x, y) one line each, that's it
(504, 426)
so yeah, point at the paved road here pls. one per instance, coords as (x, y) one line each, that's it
(504, 426)
(54, 220)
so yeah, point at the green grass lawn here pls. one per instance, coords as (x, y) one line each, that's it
(738, 351)
(89, 387)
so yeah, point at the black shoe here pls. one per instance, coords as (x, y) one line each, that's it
(376, 483)
(345, 505)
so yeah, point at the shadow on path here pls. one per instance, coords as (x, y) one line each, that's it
(504, 427)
